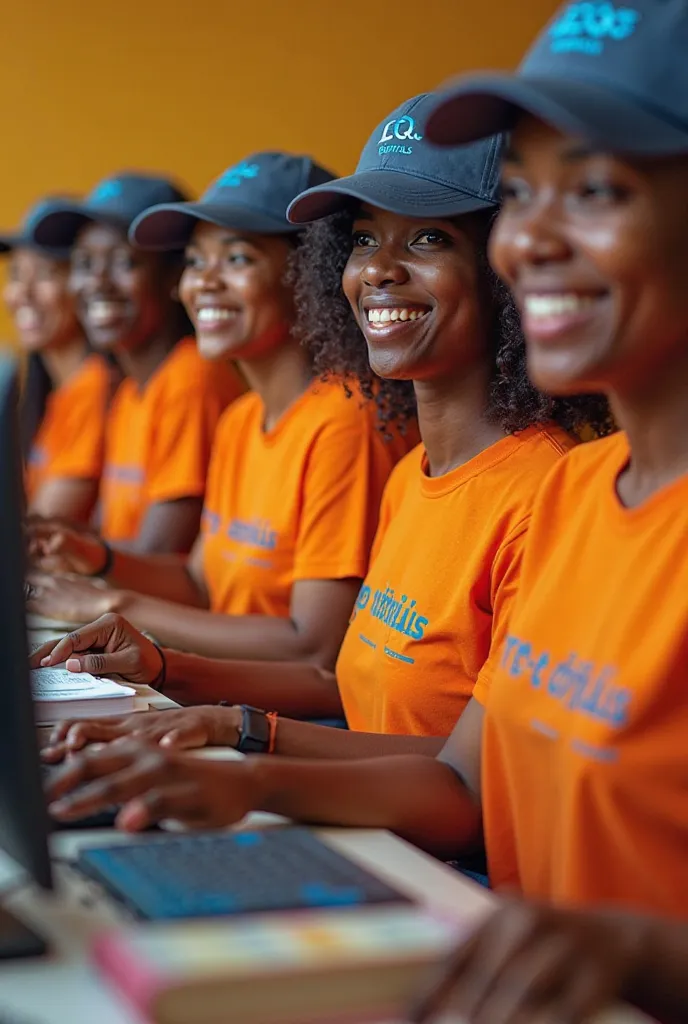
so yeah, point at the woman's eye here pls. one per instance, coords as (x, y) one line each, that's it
(602, 192)
(362, 240)
(431, 238)
(123, 261)
(192, 260)
(515, 191)
(80, 262)
(239, 259)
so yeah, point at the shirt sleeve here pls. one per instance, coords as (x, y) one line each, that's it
(344, 480)
(185, 427)
(79, 453)
(506, 574)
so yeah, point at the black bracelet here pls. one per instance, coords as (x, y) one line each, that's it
(106, 568)
(159, 681)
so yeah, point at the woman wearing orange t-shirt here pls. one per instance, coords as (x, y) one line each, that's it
(572, 761)
(417, 303)
(67, 387)
(298, 467)
(162, 419)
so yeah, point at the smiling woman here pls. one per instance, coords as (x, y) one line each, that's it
(67, 389)
(163, 417)
(298, 466)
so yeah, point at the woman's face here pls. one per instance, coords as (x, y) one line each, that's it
(234, 292)
(413, 288)
(40, 303)
(123, 296)
(595, 251)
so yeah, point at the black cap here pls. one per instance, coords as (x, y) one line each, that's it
(253, 195)
(117, 200)
(615, 75)
(401, 172)
(24, 237)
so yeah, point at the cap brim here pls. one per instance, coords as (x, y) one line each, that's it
(8, 243)
(170, 225)
(482, 105)
(396, 191)
(59, 228)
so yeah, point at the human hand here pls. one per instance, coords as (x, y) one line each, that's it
(182, 729)
(108, 646)
(152, 784)
(69, 598)
(57, 547)
(529, 962)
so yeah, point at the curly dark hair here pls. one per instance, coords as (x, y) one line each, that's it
(327, 326)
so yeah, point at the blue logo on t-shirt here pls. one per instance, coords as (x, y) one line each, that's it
(586, 27)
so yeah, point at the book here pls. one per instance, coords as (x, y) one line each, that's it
(59, 694)
(308, 967)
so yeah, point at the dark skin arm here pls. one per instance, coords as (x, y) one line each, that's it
(291, 689)
(169, 526)
(70, 499)
(55, 548)
(420, 798)
(534, 962)
(314, 631)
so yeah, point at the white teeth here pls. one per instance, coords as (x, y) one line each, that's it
(214, 314)
(555, 305)
(384, 316)
(100, 310)
(26, 318)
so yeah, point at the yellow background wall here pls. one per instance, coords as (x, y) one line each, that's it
(92, 86)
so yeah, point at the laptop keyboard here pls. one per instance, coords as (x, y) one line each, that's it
(218, 874)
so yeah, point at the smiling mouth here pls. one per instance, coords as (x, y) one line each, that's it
(386, 316)
(103, 312)
(27, 318)
(212, 316)
(547, 315)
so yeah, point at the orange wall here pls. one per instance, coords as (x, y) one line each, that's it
(92, 86)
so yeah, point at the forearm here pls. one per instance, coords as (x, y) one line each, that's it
(160, 576)
(418, 798)
(303, 739)
(247, 637)
(289, 688)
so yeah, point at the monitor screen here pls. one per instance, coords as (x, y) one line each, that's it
(23, 814)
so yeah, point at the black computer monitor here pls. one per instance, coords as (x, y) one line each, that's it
(23, 814)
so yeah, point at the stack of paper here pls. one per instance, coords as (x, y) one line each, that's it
(59, 694)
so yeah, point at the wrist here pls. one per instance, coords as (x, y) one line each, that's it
(100, 557)
(225, 727)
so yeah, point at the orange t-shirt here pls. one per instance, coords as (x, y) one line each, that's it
(585, 763)
(69, 441)
(444, 570)
(159, 439)
(298, 502)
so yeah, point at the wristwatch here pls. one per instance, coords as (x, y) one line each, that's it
(254, 737)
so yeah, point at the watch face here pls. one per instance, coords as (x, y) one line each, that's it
(255, 731)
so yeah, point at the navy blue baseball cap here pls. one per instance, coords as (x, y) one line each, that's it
(401, 172)
(24, 236)
(253, 195)
(614, 75)
(117, 200)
